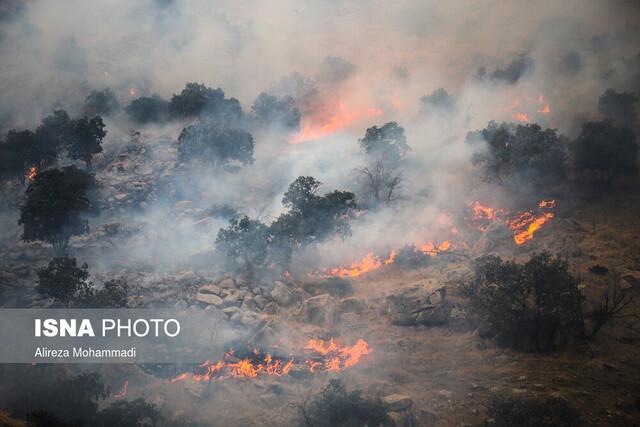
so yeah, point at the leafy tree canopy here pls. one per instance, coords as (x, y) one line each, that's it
(388, 141)
(215, 144)
(147, 109)
(270, 110)
(56, 206)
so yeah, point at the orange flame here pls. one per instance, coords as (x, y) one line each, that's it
(523, 236)
(31, 173)
(324, 356)
(123, 391)
(341, 119)
(521, 117)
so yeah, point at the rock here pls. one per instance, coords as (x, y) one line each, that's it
(350, 305)
(248, 304)
(335, 286)
(232, 301)
(231, 311)
(227, 283)
(319, 310)
(397, 402)
(447, 394)
(210, 299)
(252, 320)
(284, 295)
(271, 308)
(260, 301)
(210, 289)
(416, 305)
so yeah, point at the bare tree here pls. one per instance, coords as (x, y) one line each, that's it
(613, 302)
(381, 183)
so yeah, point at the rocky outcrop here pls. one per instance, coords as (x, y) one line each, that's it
(417, 305)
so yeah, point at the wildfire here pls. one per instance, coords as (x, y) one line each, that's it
(522, 237)
(320, 356)
(31, 173)
(521, 117)
(341, 119)
(123, 391)
(545, 108)
(523, 224)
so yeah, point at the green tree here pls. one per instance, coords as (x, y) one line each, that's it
(387, 141)
(56, 206)
(520, 155)
(148, 109)
(85, 139)
(245, 243)
(606, 150)
(620, 107)
(22, 150)
(102, 102)
(215, 144)
(196, 99)
(269, 110)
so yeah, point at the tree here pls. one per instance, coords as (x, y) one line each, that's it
(56, 206)
(388, 141)
(439, 101)
(380, 183)
(526, 306)
(216, 144)
(102, 102)
(23, 150)
(63, 279)
(605, 149)
(336, 407)
(270, 110)
(148, 109)
(196, 99)
(85, 139)
(312, 218)
(55, 128)
(620, 107)
(520, 155)
(245, 243)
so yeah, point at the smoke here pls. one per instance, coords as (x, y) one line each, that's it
(347, 65)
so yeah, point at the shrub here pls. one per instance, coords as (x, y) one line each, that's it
(101, 102)
(63, 279)
(526, 306)
(215, 144)
(335, 407)
(410, 257)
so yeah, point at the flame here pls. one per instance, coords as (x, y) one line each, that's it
(521, 117)
(123, 391)
(31, 173)
(523, 236)
(545, 109)
(341, 119)
(523, 224)
(370, 262)
(321, 356)
(133, 91)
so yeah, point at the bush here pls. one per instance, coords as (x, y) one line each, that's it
(522, 412)
(526, 306)
(269, 110)
(63, 279)
(335, 407)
